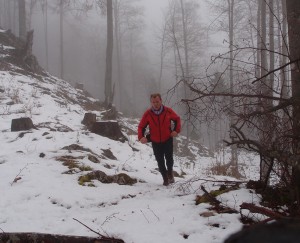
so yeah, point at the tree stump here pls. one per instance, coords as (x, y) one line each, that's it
(109, 129)
(89, 119)
(21, 124)
(79, 86)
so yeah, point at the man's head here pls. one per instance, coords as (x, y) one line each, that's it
(156, 101)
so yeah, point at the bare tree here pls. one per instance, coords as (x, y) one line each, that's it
(259, 126)
(182, 40)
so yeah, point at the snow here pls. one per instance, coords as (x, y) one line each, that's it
(44, 199)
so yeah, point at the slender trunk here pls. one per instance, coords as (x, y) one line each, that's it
(9, 15)
(22, 20)
(15, 27)
(258, 62)
(234, 158)
(133, 77)
(46, 35)
(284, 51)
(118, 52)
(61, 26)
(266, 134)
(1, 13)
(187, 72)
(162, 54)
(272, 45)
(109, 52)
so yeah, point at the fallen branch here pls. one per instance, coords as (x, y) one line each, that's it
(40, 237)
(220, 181)
(264, 211)
(111, 240)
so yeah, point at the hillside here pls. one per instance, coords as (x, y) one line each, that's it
(59, 173)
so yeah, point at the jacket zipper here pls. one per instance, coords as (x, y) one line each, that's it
(159, 127)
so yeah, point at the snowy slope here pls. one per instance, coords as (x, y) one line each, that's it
(40, 193)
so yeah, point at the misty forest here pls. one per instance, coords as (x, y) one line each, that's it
(231, 69)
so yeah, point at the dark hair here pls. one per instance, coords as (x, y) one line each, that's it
(155, 95)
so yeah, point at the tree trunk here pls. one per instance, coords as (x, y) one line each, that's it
(22, 20)
(162, 55)
(118, 51)
(8, 15)
(61, 27)
(45, 11)
(258, 61)
(15, 17)
(293, 15)
(187, 71)
(234, 157)
(109, 52)
(272, 46)
(265, 140)
(284, 51)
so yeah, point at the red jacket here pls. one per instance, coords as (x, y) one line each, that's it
(160, 126)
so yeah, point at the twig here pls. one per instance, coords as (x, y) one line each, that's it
(102, 236)
(153, 213)
(145, 216)
(108, 218)
(17, 176)
(112, 240)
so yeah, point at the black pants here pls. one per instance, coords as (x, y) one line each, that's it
(163, 152)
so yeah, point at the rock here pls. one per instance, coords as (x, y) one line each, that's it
(121, 178)
(21, 124)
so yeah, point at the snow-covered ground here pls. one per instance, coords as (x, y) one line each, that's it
(37, 195)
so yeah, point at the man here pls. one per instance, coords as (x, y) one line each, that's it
(159, 118)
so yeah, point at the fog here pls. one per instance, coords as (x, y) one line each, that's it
(142, 66)
(84, 43)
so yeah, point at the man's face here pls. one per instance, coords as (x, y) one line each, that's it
(156, 102)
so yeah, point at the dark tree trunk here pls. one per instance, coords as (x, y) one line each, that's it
(293, 16)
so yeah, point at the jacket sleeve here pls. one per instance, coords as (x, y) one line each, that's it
(142, 126)
(177, 121)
